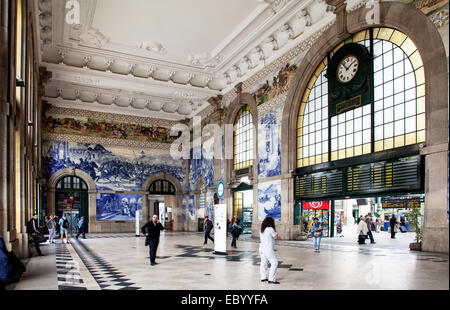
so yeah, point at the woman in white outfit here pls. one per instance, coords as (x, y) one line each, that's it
(267, 252)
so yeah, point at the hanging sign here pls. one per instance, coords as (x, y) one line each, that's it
(220, 229)
(316, 205)
(220, 189)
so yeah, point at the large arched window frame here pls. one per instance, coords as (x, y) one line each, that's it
(396, 117)
(243, 139)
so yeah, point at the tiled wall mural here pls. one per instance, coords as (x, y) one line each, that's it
(203, 166)
(112, 168)
(101, 128)
(278, 85)
(269, 200)
(118, 207)
(191, 207)
(269, 138)
(210, 205)
(183, 208)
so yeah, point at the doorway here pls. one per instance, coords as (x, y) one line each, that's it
(243, 206)
(162, 198)
(72, 200)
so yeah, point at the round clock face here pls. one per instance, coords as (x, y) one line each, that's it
(220, 189)
(347, 68)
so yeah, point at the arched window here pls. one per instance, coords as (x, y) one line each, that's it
(71, 183)
(243, 139)
(395, 118)
(162, 187)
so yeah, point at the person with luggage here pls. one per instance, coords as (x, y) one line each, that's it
(80, 226)
(316, 233)
(266, 251)
(403, 223)
(33, 231)
(370, 227)
(393, 225)
(208, 228)
(51, 225)
(361, 231)
(64, 228)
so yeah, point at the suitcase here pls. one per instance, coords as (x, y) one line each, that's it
(361, 239)
(403, 229)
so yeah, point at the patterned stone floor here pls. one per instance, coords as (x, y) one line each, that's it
(120, 262)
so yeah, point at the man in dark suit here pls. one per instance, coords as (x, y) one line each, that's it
(208, 228)
(151, 230)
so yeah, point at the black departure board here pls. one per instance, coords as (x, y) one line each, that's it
(401, 202)
(402, 174)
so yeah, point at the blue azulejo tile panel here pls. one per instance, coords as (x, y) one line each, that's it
(201, 164)
(269, 200)
(269, 143)
(112, 168)
(192, 207)
(118, 207)
(210, 204)
(184, 207)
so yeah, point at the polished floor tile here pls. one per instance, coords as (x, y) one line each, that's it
(121, 262)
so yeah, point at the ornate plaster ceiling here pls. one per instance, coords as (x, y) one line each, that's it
(165, 58)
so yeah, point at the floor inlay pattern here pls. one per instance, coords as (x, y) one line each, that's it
(107, 277)
(68, 271)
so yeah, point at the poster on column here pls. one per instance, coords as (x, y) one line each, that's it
(220, 229)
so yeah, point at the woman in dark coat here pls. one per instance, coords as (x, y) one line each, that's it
(234, 229)
(392, 223)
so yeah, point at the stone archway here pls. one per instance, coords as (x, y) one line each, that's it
(424, 34)
(177, 210)
(92, 191)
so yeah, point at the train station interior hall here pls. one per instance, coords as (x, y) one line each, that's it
(329, 116)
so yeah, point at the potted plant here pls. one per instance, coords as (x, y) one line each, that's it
(302, 235)
(415, 223)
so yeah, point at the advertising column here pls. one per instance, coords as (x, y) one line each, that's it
(220, 222)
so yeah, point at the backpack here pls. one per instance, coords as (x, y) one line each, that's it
(65, 224)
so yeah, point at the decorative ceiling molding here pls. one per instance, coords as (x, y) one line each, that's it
(266, 34)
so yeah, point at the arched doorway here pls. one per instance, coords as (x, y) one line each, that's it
(162, 201)
(71, 198)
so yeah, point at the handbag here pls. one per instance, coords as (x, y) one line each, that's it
(39, 238)
(317, 234)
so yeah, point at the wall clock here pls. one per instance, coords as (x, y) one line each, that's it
(350, 79)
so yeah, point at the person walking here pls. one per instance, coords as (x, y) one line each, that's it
(378, 224)
(234, 230)
(51, 225)
(56, 220)
(361, 231)
(208, 228)
(393, 226)
(266, 251)
(316, 233)
(64, 228)
(370, 227)
(80, 226)
(152, 231)
(403, 223)
(33, 230)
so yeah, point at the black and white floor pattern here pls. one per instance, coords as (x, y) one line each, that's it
(107, 277)
(68, 271)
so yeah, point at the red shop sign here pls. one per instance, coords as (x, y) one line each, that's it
(316, 205)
